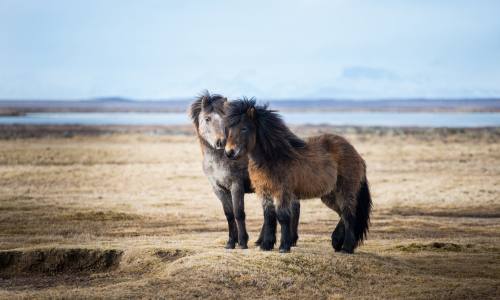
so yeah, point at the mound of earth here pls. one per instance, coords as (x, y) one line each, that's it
(58, 261)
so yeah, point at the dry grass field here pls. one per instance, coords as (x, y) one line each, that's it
(129, 215)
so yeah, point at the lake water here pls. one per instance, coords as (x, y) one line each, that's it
(316, 118)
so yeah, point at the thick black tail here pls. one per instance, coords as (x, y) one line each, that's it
(363, 209)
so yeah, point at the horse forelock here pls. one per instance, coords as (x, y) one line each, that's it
(237, 109)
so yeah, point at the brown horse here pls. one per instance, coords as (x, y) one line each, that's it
(286, 168)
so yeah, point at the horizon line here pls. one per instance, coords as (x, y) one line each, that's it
(132, 99)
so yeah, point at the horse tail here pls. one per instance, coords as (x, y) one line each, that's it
(363, 209)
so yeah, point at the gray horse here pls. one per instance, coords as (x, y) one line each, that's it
(228, 177)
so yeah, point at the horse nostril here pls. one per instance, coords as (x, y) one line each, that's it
(218, 143)
(229, 153)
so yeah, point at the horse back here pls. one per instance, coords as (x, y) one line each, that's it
(319, 167)
(349, 163)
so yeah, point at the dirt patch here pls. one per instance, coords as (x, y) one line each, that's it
(436, 246)
(101, 216)
(58, 261)
(170, 255)
(475, 212)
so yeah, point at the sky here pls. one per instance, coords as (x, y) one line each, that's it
(345, 49)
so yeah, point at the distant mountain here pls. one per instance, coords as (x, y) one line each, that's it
(109, 99)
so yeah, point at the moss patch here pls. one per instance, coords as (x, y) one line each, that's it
(101, 216)
(435, 246)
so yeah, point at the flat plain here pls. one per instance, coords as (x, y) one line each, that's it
(131, 215)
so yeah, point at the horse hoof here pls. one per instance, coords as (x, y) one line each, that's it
(337, 245)
(284, 250)
(242, 246)
(344, 251)
(266, 246)
(230, 245)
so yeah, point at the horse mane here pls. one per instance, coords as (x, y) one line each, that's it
(207, 101)
(275, 141)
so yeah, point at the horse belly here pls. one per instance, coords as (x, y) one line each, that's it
(315, 182)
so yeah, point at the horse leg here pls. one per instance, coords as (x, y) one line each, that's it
(348, 206)
(295, 221)
(261, 235)
(268, 233)
(238, 194)
(283, 214)
(338, 234)
(225, 198)
(263, 229)
(349, 239)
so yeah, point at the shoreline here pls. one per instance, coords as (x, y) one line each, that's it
(21, 131)
(109, 105)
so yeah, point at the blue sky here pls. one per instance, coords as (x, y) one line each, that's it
(269, 49)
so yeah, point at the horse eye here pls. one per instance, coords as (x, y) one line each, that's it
(207, 119)
(244, 129)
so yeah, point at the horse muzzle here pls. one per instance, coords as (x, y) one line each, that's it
(220, 144)
(231, 154)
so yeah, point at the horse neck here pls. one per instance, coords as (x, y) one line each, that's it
(260, 160)
(206, 148)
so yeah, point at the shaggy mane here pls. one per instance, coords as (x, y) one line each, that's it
(214, 102)
(275, 141)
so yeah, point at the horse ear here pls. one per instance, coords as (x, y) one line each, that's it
(204, 102)
(251, 113)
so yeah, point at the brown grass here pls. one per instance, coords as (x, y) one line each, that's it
(131, 215)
